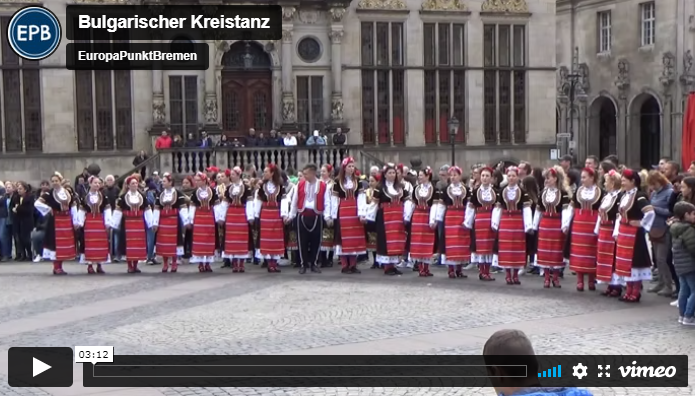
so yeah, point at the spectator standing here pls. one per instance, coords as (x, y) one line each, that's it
(683, 246)
(274, 140)
(23, 211)
(151, 194)
(177, 142)
(339, 138)
(205, 140)
(191, 141)
(139, 159)
(163, 141)
(6, 222)
(262, 141)
(658, 234)
(224, 142)
(251, 139)
(289, 140)
(316, 140)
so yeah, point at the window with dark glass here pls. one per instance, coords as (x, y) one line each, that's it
(504, 84)
(20, 104)
(383, 83)
(445, 77)
(183, 105)
(104, 109)
(310, 104)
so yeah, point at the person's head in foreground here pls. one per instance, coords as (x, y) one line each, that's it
(509, 380)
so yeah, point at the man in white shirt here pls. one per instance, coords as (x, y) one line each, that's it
(289, 140)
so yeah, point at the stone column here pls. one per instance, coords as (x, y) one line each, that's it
(210, 109)
(336, 35)
(158, 102)
(288, 107)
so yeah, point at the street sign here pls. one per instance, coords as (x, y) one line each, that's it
(563, 135)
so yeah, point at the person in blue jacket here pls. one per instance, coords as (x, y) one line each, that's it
(505, 380)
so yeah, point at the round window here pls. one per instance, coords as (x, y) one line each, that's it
(309, 49)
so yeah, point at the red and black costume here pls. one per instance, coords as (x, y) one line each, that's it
(59, 241)
(632, 259)
(605, 252)
(237, 212)
(581, 239)
(550, 221)
(270, 208)
(203, 219)
(482, 203)
(370, 227)
(170, 216)
(132, 217)
(512, 218)
(347, 206)
(94, 217)
(456, 240)
(423, 209)
(309, 205)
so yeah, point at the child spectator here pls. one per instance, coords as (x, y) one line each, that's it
(683, 246)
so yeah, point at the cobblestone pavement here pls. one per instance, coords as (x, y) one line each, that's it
(286, 313)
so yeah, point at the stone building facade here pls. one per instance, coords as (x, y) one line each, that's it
(392, 71)
(631, 66)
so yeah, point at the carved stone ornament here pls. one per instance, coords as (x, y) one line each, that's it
(336, 36)
(211, 110)
(286, 36)
(508, 6)
(288, 13)
(337, 109)
(584, 85)
(622, 80)
(562, 84)
(444, 5)
(337, 14)
(382, 5)
(688, 77)
(158, 111)
(288, 110)
(311, 17)
(668, 71)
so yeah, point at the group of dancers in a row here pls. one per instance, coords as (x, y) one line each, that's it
(600, 231)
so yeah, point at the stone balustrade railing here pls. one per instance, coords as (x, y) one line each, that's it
(185, 161)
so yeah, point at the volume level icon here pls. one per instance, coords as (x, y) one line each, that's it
(555, 372)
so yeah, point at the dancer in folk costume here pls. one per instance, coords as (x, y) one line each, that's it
(549, 221)
(291, 243)
(424, 210)
(388, 212)
(455, 243)
(582, 241)
(348, 203)
(482, 202)
(170, 218)
(310, 207)
(512, 219)
(271, 211)
(95, 219)
(222, 182)
(132, 217)
(370, 226)
(203, 216)
(328, 237)
(605, 225)
(635, 218)
(236, 215)
(59, 240)
(402, 172)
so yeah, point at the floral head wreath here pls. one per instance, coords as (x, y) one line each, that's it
(58, 175)
(236, 170)
(455, 169)
(273, 168)
(347, 161)
(552, 172)
(514, 169)
(329, 168)
(427, 171)
(167, 176)
(612, 173)
(202, 176)
(590, 171)
(486, 169)
(130, 179)
(91, 179)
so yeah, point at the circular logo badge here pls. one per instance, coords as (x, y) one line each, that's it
(34, 33)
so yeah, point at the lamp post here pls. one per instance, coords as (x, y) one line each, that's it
(453, 129)
(572, 79)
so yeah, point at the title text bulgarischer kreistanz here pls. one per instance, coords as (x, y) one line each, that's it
(161, 22)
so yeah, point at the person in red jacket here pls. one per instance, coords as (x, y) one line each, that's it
(163, 142)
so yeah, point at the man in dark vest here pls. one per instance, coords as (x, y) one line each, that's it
(309, 203)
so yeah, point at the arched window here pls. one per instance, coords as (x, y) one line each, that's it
(104, 107)
(20, 100)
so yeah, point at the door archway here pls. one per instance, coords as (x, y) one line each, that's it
(603, 135)
(646, 120)
(246, 89)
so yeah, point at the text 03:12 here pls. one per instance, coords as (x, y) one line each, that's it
(93, 354)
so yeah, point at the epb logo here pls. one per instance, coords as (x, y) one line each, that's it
(34, 33)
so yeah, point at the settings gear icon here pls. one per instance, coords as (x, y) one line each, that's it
(579, 371)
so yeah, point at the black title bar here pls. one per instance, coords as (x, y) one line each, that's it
(137, 56)
(173, 22)
(382, 371)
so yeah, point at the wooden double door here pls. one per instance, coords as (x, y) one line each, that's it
(247, 102)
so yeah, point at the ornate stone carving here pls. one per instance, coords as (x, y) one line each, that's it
(311, 17)
(337, 14)
(336, 36)
(444, 5)
(510, 6)
(688, 77)
(584, 84)
(286, 36)
(562, 81)
(337, 109)
(668, 71)
(288, 13)
(382, 5)
(622, 80)
(288, 110)
(211, 110)
(158, 111)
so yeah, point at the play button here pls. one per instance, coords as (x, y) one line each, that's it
(40, 367)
